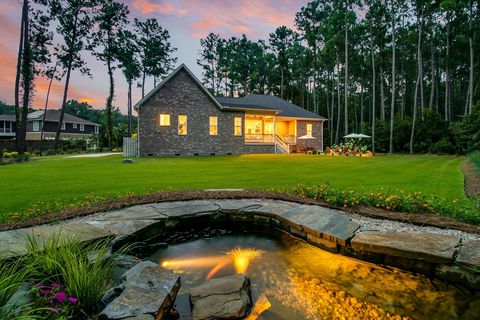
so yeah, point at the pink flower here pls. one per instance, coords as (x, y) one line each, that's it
(45, 292)
(54, 310)
(73, 300)
(61, 296)
(56, 286)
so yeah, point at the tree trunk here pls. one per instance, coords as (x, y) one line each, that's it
(17, 80)
(42, 138)
(447, 71)
(433, 76)
(339, 112)
(392, 107)
(281, 83)
(346, 81)
(143, 84)
(109, 107)
(129, 106)
(471, 40)
(64, 102)
(332, 108)
(373, 91)
(419, 73)
(382, 94)
(27, 74)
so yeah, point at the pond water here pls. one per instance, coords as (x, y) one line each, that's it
(303, 282)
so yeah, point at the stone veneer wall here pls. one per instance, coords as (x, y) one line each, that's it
(317, 132)
(182, 96)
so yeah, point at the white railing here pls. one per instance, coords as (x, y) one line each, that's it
(259, 138)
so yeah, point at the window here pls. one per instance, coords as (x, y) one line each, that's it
(309, 129)
(182, 125)
(82, 127)
(213, 125)
(97, 129)
(74, 126)
(63, 125)
(237, 130)
(164, 120)
(36, 126)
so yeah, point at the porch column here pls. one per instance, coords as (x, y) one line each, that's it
(275, 132)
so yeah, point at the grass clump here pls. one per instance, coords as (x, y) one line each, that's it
(70, 276)
(466, 210)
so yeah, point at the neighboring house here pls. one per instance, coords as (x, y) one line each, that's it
(73, 127)
(7, 126)
(181, 117)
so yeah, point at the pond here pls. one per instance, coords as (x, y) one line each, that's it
(303, 282)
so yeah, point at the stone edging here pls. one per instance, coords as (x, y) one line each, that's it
(446, 257)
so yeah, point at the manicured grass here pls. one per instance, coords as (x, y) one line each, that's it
(69, 180)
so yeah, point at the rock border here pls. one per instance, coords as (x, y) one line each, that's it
(447, 257)
(214, 194)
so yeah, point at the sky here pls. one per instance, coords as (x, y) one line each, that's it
(187, 21)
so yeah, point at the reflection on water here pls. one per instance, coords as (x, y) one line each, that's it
(303, 282)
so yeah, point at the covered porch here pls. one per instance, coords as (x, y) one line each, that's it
(283, 132)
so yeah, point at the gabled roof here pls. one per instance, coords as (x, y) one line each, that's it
(171, 76)
(266, 102)
(54, 116)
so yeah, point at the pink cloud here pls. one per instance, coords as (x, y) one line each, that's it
(152, 7)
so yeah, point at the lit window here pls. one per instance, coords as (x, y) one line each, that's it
(309, 129)
(74, 126)
(82, 127)
(213, 125)
(63, 125)
(238, 126)
(36, 125)
(164, 120)
(182, 125)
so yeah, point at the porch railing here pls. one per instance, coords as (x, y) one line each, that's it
(259, 138)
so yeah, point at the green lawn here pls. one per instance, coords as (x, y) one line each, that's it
(70, 179)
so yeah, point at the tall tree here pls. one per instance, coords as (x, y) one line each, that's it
(74, 23)
(111, 19)
(210, 61)
(155, 50)
(280, 41)
(127, 54)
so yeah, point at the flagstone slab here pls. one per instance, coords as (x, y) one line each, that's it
(433, 248)
(324, 222)
(123, 227)
(141, 212)
(470, 255)
(184, 209)
(237, 205)
(13, 242)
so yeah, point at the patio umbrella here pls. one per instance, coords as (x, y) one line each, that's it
(306, 138)
(356, 136)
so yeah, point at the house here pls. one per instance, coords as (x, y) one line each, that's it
(72, 127)
(180, 117)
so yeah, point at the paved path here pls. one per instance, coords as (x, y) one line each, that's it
(454, 257)
(94, 155)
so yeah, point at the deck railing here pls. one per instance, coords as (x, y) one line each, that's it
(259, 138)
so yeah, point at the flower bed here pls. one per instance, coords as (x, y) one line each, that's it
(467, 210)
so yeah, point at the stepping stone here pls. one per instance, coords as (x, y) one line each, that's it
(433, 248)
(148, 289)
(221, 298)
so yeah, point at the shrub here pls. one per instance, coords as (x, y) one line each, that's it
(475, 157)
(10, 155)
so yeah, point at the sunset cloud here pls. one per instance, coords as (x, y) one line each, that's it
(187, 21)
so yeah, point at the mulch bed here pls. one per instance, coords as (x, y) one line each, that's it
(472, 179)
(183, 195)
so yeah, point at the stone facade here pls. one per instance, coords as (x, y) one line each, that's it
(182, 96)
(317, 132)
